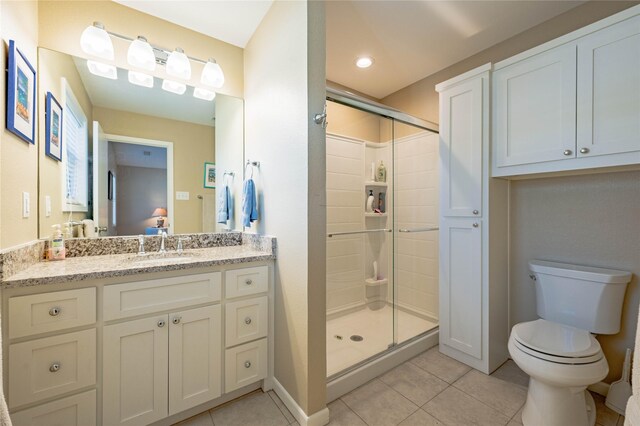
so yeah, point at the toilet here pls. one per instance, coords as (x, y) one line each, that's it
(559, 351)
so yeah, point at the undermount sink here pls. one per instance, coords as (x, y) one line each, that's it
(160, 258)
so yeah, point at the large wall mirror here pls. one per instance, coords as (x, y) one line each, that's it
(134, 160)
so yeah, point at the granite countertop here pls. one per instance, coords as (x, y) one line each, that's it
(75, 269)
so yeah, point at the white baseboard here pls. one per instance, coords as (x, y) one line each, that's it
(319, 418)
(601, 388)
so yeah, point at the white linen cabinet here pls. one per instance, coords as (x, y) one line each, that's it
(474, 325)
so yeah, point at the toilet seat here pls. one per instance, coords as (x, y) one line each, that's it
(558, 343)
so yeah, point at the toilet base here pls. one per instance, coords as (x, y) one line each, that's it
(556, 406)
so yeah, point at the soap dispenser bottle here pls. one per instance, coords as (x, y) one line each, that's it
(370, 200)
(56, 244)
(381, 175)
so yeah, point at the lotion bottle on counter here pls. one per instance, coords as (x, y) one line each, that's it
(56, 245)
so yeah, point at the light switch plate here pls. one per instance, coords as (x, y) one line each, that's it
(182, 195)
(26, 205)
(47, 206)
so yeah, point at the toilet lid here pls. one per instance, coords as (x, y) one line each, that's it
(556, 342)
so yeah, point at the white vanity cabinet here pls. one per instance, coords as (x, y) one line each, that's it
(572, 103)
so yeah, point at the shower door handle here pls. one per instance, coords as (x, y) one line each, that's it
(365, 231)
(435, 228)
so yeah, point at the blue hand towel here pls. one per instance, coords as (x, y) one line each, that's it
(249, 210)
(225, 205)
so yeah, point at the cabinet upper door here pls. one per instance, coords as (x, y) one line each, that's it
(134, 375)
(609, 90)
(461, 138)
(535, 108)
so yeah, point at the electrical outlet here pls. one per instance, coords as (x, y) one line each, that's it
(182, 195)
(47, 206)
(26, 205)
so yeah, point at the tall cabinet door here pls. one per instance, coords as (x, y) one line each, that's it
(135, 364)
(535, 108)
(609, 90)
(195, 353)
(461, 149)
(461, 285)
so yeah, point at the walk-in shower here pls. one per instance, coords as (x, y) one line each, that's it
(382, 260)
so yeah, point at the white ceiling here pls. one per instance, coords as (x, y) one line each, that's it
(410, 40)
(232, 21)
(134, 155)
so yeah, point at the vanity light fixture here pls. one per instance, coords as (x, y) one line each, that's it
(178, 64)
(103, 70)
(364, 62)
(174, 87)
(140, 54)
(212, 74)
(95, 41)
(140, 79)
(204, 94)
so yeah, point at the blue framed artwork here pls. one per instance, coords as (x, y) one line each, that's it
(53, 128)
(209, 175)
(21, 95)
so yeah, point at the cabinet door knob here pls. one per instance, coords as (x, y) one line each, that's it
(247, 320)
(55, 311)
(248, 281)
(54, 367)
(568, 152)
(247, 364)
(176, 320)
(475, 225)
(161, 323)
(584, 150)
(476, 212)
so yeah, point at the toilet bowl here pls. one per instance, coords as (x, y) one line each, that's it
(558, 351)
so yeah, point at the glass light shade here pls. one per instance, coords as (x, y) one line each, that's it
(204, 94)
(140, 79)
(174, 87)
(178, 65)
(212, 75)
(95, 41)
(102, 70)
(140, 54)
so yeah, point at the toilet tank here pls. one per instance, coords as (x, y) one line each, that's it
(581, 296)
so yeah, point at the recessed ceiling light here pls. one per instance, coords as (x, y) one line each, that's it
(364, 62)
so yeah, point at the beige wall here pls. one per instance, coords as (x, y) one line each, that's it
(193, 144)
(54, 66)
(353, 123)
(62, 22)
(18, 159)
(284, 86)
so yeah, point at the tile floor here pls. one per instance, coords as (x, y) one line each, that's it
(430, 389)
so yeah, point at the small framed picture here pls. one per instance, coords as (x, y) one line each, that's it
(53, 128)
(21, 95)
(209, 175)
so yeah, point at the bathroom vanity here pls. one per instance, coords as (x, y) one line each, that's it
(124, 339)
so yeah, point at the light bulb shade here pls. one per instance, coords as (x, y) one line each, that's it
(140, 79)
(102, 69)
(140, 54)
(174, 87)
(204, 94)
(178, 65)
(212, 75)
(95, 41)
(160, 211)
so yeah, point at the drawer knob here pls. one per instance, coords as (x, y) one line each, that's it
(248, 281)
(54, 367)
(584, 150)
(55, 311)
(476, 212)
(475, 225)
(176, 320)
(567, 152)
(161, 323)
(247, 320)
(247, 364)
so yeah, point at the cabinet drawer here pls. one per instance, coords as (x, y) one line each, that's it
(246, 281)
(246, 320)
(76, 410)
(146, 297)
(60, 310)
(51, 366)
(245, 364)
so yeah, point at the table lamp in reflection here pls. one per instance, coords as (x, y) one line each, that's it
(160, 213)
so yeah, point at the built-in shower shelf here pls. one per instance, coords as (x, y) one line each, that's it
(370, 282)
(372, 183)
(375, 215)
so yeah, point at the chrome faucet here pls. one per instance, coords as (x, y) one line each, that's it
(180, 246)
(163, 235)
(140, 244)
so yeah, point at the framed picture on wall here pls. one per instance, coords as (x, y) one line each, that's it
(21, 95)
(209, 175)
(53, 128)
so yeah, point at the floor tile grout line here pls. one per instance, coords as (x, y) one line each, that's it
(280, 409)
(353, 411)
(485, 404)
